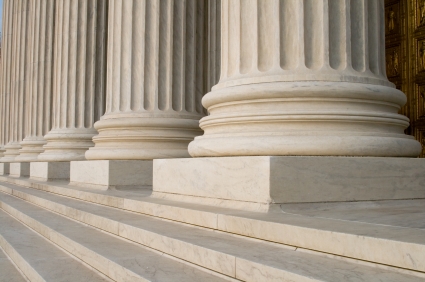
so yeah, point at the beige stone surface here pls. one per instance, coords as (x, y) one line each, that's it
(4, 168)
(262, 260)
(388, 243)
(6, 63)
(118, 259)
(9, 272)
(19, 169)
(154, 92)
(255, 182)
(78, 79)
(50, 170)
(19, 78)
(298, 79)
(111, 174)
(38, 259)
(39, 90)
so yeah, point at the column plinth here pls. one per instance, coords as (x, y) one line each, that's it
(154, 90)
(304, 78)
(78, 79)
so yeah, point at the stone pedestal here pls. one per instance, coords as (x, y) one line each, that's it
(19, 169)
(4, 168)
(50, 170)
(259, 182)
(106, 174)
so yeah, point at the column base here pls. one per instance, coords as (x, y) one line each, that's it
(257, 183)
(31, 148)
(12, 151)
(4, 168)
(46, 171)
(19, 169)
(107, 174)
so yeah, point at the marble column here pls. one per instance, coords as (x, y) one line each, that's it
(214, 42)
(19, 79)
(303, 78)
(155, 80)
(39, 104)
(5, 72)
(78, 78)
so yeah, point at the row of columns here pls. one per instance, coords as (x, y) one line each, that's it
(124, 80)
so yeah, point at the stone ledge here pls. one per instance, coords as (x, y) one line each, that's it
(45, 171)
(19, 169)
(106, 174)
(270, 180)
(4, 168)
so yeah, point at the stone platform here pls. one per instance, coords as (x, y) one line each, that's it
(364, 241)
(260, 182)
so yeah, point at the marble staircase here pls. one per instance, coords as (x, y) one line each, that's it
(128, 235)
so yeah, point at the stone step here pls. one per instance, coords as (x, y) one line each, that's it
(383, 244)
(119, 259)
(38, 259)
(8, 271)
(231, 255)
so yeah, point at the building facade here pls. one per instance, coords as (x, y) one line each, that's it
(212, 140)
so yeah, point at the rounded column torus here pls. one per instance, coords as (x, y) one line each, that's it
(6, 61)
(304, 78)
(39, 106)
(19, 79)
(78, 78)
(155, 80)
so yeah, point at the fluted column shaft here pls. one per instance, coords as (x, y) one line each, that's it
(155, 79)
(39, 104)
(19, 73)
(303, 77)
(6, 60)
(78, 78)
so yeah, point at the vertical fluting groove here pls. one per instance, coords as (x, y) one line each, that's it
(47, 103)
(116, 74)
(313, 34)
(110, 57)
(126, 55)
(5, 71)
(200, 63)
(234, 36)
(82, 72)
(337, 34)
(99, 92)
(289, 17)
(214, 42)
(151, 55)
(266, 34)
(86, 100)
(224, 39)
(381, 16)
(179, 35)
(165, 53)
(373, 36)
(358, 16)
(74, 44)
(37, 50)
(15, 70)
(64, 58)
(137, 34)
(25, 73)
(190, 51)
(247, 35)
